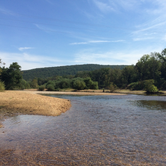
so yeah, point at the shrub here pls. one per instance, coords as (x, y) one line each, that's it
(149, 87)
(41, 88)
(112, 87)
(94, 85)
(79, 84)
(64, 83)
(136, 85)
(2, 86)
(50, 87)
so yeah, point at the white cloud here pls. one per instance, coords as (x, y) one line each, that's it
(115, 6)
(25, 48)
(29, 61)
(150, 27)
(96, 41)
(143, 38)
(123, 57)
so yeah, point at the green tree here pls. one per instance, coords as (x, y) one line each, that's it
(34, 83)
(112, 87)
(79, 84)
(150, 87)
(128, 75)
(12, 76)
(148, 67)
(94, 85)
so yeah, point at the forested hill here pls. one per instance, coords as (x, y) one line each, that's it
(63, 70)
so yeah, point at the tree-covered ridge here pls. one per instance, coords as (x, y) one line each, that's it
(64, 70)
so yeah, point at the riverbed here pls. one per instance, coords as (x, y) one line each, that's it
(97, 130)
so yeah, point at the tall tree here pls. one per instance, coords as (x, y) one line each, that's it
(12, 76)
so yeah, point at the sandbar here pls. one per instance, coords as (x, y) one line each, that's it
(21, 102)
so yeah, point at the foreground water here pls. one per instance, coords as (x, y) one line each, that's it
(97, 130)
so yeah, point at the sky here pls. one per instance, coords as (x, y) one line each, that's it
(48, 33)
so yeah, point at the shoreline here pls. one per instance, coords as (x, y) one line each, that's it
(21, 102)
(81, 93)
(33, 102)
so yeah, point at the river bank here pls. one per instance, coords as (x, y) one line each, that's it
(21, 102)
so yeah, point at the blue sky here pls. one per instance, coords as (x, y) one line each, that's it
(46, 33)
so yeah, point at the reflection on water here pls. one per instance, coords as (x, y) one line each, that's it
(151, 104)
(97, 130)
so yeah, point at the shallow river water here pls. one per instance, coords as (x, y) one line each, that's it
(97, 130)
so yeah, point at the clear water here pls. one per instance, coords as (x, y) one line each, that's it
(97, 130)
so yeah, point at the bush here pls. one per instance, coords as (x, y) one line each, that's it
(2, 86)
(94, 85)
(64, 83)
(79, 84)
(50, 87)
(149, 87)
(136, 85)
(112, 87)
(41, 88)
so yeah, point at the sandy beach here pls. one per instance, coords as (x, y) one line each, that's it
(21, 102)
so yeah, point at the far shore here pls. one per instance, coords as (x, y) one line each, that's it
(97, 92)
(86, 92)
(93, 92)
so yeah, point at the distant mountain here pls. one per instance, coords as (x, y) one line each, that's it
(63, 70)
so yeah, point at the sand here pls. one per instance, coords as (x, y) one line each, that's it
(83, 93)
(20, 102)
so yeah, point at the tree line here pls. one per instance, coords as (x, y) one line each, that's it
(47, 72)
(148, 73)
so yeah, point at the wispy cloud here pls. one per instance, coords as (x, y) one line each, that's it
(115, 6)
(6, 11)
(25, 48)
(50, 30)
(96, 41)
(150, 27)
(104, 7)
(156, 16)
(143, 38)
(123, 57)
(30, 61)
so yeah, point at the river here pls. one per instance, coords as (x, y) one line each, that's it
(97, 130)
